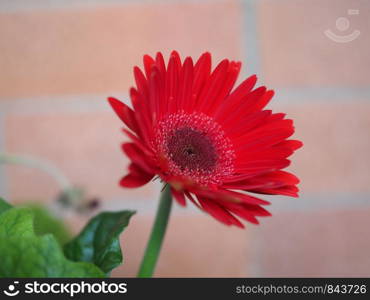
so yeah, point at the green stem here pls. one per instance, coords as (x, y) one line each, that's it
(156, 237)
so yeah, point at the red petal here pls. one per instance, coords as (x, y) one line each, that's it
(237, 97)
(246, 124)
(192, 199)
(213, 85)
(186, 86)
(232, 75)
(142, 114)
(243, 213)
(202, 70)
(262, 140)
(272, 153)
(289, 190)
(234, 114)
(219, 213)
(270, 180)
(172, 82)
(156, 92)
(293, 144)
(262, 102)
(148, 63)
(230, 196)
(139, 143)
(160, 63)
(247, 212)
(135, 155)
(136, 178)
(125, 113)
(141, 82)
(179, 196)
(262, 165)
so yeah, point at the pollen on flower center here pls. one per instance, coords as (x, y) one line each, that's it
(195, 146)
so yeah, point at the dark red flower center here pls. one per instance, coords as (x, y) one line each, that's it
(191, 149)
(195, 147)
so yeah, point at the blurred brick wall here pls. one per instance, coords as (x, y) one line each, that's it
(60, 59)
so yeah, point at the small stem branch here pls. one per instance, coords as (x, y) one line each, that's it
(47, 167)
(156, 237)
(38, 164)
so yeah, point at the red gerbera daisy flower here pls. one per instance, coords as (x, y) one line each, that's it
(211, 143)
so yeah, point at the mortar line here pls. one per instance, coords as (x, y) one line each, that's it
(97, 103)
(250, 39)
(3, 179)
(15, 6)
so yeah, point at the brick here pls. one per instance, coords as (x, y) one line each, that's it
(313, 244)
(295, 51)
(85, 147)
(334, 158)
(93, 50)
(195, 246)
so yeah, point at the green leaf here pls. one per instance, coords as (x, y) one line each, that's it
(99, 240)
(45, 222)
(4, 206)
(24, 254)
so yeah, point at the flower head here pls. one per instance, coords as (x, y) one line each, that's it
(213, 144)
